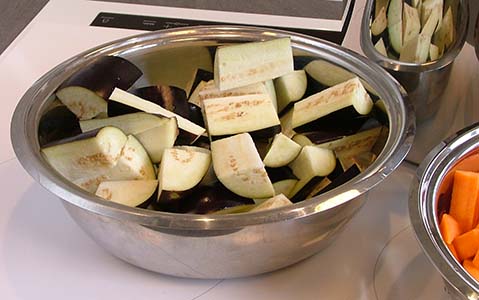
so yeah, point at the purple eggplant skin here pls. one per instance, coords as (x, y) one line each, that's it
(281, 173)
(172, 201)
(345, 121)
(169, 97)
(149, 201)
(201, 75)
(300, 61)
(207, 199)
(259, 134)
(57, 124)
(77, 137)
(338, 170)
(104, 74)
(307, 189)
(313, 86)
(347, 175)
(195, 115)
(203, 142)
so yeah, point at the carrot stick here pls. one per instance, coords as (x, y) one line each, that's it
(453, 251)
(449, 228)
(464, 199)
(471, 268)
(467, 244)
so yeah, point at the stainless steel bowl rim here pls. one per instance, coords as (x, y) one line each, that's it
(423, 200)
(396, 65)
(27, 113)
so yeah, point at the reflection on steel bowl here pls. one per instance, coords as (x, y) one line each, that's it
(214, 246)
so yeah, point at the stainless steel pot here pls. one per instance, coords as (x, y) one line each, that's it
(434, 180)
(213, 246)
(424, 83)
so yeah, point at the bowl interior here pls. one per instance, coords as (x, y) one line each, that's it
(195, 44)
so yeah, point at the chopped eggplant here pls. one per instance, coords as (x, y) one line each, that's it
(311, 188)
(56, 124)
(283, 150)
(444, 36)
(201, 76)
(169, 97)
(283, 180)
(87, 157)
(411, 23)
(290, 88)
(237, 114)
(395, 24)
(286, 121)
(272, 203)
(209, 199)
(154, 133)
(85, 92)
(345, 94)
(243, 64)
(134, 193)
(121, 96)
(312, 162)
(341, 179)
(238, 167)
(182, 168)
(380, 22)
(380, 47)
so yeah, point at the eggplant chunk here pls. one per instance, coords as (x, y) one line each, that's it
(290, 88)
(126, 98)
(283, 150)
(87, 157)
(132, 164)
(342, 95)
(155, 133)
(134, 193)
(210, 199)
(238, 114)
(344, 177)
(395, 24)
(312, 162)
(272, 203)
(56, 124)
(169, 97)
(283, 180)
(239, 168)
(247, 63)
(85, 92)
(181, 169)
(209, 90)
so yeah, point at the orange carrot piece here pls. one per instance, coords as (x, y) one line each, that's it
(471, 268)
(449, 228)
(464, 199)
(467, 244)
(453, 251)
(475, 260)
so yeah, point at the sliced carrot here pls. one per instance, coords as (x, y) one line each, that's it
(475, 260)
(453, 251)
(471, 268)
(464, 199)
(449, 228)
(467, 244)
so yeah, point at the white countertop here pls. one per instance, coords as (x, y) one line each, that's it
(45, 255)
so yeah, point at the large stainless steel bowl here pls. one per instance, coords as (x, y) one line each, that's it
(213, 246)
(429, 196)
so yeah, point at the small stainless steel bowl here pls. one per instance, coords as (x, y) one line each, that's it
(430, 194)
(424, 83)
(214, 246)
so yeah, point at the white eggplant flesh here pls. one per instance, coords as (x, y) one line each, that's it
(239, 168)
(237, 114)
(132, 164)
(380, 22)
(129, 123)
(395, 24)
(290, 88)
(429, 7)
(379, 4)
(411, 23)
(195, 95)
(84, 103)
(247, 63)
(416, 50)
(127, 192)
(129, 99)
(283, 150)
(444, 36)
(330, 74)
(87, 157)
(182, 168)
(286, 122)
(157, 139)
(431, 24)
(210, 91)
(269, 85)
(380, 47)
(433, 52)
(354, 144)
(312, 162)
(342, 95)
(285, 186)
(272, 203)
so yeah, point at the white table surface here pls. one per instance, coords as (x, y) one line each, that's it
(44, 255)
